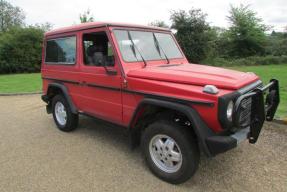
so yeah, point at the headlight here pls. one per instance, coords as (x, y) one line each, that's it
(229, 111)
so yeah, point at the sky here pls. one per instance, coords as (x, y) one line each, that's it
(61, 13)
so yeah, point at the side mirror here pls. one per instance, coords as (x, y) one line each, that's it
(108, 62)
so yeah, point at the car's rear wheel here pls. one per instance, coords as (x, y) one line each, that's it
(171, 152)
(62, 114)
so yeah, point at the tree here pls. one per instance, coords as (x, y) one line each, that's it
(192, 33)
(246, 34)
(43, 26)
(217, 42)
(86, 17)
(158, 23)
(10, 16)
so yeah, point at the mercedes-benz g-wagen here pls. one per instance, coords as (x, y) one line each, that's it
(138, 77)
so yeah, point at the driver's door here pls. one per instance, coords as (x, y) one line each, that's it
(100, 94)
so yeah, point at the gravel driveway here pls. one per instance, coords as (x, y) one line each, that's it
(35, 156)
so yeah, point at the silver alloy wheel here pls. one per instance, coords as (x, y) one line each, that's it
(60, 113)
(165, 153)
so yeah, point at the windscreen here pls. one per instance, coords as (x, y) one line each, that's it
(137, 45)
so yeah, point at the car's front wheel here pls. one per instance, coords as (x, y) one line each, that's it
(171, 152)
(62, 114)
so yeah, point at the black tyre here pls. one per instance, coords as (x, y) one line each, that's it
(62, 114)
(170, 151)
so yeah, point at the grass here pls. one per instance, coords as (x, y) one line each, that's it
(268, 72)
(20, 83)
(32, 82)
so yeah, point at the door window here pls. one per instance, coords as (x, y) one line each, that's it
(97, 50)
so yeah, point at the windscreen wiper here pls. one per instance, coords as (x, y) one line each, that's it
(135, 47)
(159, 47)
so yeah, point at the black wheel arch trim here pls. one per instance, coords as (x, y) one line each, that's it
(200, 128)
(65, 92)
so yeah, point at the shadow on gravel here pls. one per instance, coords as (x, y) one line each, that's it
(117, 137)
(109, 134)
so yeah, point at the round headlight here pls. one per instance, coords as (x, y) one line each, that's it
(229, 110)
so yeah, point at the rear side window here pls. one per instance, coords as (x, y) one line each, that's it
(61, 50)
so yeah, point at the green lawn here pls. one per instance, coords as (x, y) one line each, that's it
(20, 83)
(267, 72)
(32, 82)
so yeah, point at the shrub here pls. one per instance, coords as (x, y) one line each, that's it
(20, 50)
(255, 60)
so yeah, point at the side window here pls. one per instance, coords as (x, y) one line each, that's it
(97, 50)
(61, 50)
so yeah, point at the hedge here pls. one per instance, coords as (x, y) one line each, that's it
(20, 50)
(255, 60)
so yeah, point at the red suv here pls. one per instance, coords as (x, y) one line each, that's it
(137, 77)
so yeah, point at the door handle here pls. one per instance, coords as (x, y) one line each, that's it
(83, 83)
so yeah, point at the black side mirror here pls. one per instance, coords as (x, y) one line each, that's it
(109, 62)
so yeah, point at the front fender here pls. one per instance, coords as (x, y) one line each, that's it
(200, 128)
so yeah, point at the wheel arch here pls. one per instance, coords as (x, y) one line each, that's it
(198, 125)
(58, 88)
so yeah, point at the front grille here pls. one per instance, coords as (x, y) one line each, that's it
(245, 114)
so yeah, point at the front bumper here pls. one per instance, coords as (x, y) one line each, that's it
(219, 144)
(251, 110)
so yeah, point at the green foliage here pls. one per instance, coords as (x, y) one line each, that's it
(246, 35)
(247, 61)
(158, 23)
(215, 43)
(86, 17)
(20, 50)
(193, 33)
(20, 46)
(10, 16)
(277, 44)
(244, 42)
